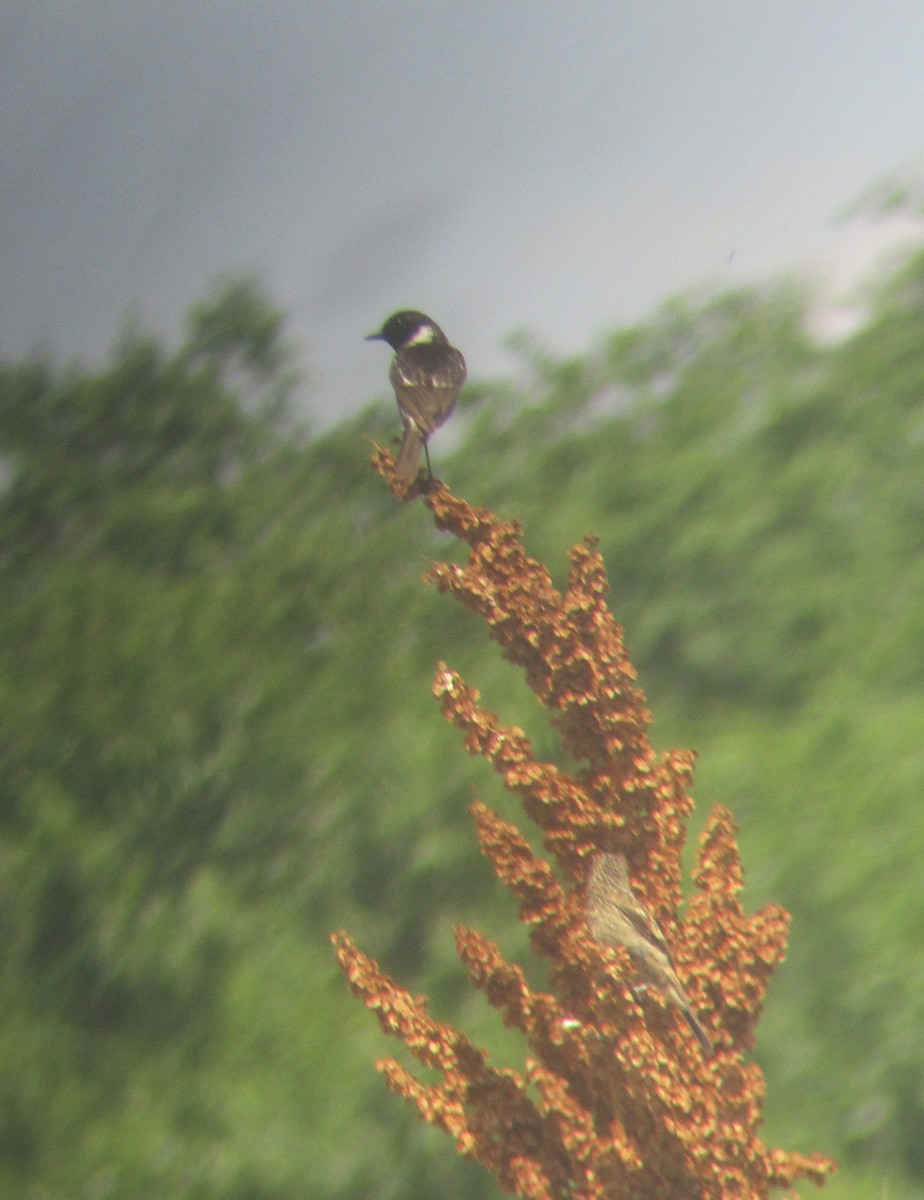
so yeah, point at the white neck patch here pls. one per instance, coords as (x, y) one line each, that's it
(426, 333)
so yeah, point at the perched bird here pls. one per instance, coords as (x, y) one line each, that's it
(616, 917)
(427, 375)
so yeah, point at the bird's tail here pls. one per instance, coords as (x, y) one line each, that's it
(699, 1031)
(409, 454)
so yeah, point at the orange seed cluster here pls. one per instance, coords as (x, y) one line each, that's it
(616, 1098)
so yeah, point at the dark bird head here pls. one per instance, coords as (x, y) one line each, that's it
(408, 328)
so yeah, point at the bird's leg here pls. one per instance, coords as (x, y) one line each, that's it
(427, 453)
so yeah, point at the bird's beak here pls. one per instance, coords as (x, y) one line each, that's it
(373, 337)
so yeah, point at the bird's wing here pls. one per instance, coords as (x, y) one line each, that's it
(427, 398)
(646, 926)
(637, 914)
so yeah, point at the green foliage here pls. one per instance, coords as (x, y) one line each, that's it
(205, 767)
(219, 740)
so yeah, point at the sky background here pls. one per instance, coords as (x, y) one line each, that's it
(556, 166)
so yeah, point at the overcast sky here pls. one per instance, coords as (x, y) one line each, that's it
(559, 165)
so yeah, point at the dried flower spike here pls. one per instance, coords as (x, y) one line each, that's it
(611, 1101)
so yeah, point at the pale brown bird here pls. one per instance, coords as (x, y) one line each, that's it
(616, 917)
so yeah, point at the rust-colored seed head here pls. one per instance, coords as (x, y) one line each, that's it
(614, 1100)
